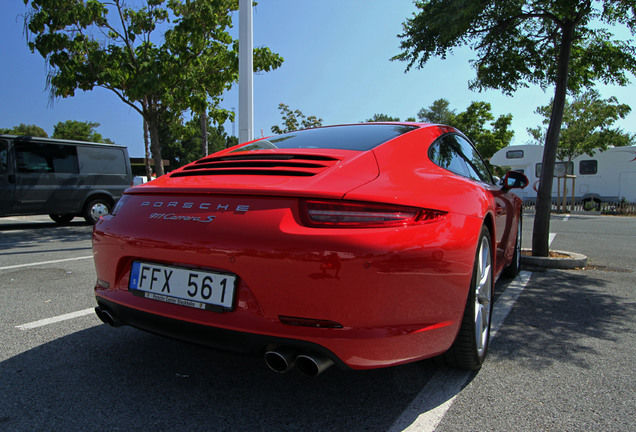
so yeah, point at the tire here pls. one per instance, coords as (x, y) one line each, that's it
(513, 268)
(96, 208)
(61, 218)
(471, 344)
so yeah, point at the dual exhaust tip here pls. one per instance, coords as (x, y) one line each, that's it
(107, 317)
(279, 360)
(283, 359)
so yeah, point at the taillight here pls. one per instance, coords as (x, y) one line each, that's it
(336, 214)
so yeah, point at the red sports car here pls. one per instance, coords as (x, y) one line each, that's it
(364, 245)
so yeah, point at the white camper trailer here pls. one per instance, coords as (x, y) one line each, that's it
(607, 176)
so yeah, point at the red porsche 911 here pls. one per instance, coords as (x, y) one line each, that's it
(364, 246)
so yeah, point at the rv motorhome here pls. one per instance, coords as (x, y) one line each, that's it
(607, 176)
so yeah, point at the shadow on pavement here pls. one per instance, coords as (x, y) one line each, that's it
(557, 316)
(23, 235)
(124, 379)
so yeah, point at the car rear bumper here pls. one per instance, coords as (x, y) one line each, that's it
(214, 337)
(348, 348)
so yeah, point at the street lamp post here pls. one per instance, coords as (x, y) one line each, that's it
(246, 72)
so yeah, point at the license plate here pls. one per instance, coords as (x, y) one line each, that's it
(183, 286)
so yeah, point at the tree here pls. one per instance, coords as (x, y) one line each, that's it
(518, 43)
(488, 134)
(294, 120)
(382, 118)
(25, 130)
(438, 113)
(587, 125)
(80, 131)
(477, 122)
(96, 43)
(183, 143)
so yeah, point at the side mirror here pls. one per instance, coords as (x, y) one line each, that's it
(514, 180)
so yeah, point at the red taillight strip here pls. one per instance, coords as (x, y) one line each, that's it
(342, 214)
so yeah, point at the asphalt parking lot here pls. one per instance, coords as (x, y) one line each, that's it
(561, 358)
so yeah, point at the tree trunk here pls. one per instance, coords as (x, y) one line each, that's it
(153, 127)
(147, 148)
(541, 229)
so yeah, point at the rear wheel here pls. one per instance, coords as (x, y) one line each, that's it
(61, 218)
(96, 208)
(513, 269)
(470, 347)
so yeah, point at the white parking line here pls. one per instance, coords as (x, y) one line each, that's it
(506, 300)
(45, 262)
(428, 408)
(47, 321)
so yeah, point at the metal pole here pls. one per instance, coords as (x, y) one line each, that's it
(246, 72)
(573, 190)
(558, 200)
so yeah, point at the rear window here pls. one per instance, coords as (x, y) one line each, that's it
(350, 137)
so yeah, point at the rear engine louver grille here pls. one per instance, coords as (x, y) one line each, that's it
(289, 165)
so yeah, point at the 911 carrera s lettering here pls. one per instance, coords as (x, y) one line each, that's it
(174, 217)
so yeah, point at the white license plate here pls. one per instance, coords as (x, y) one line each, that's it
(187, 287)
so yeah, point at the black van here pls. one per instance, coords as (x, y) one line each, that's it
(61, 178)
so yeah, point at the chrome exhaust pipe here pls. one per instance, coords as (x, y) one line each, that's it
(313, 364)
(107, 317)
(280, 359)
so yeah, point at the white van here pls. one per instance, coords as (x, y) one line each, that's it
(61, 178)
(607, 176)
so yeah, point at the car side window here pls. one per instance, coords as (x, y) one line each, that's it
(446, 153)
(456, 154)
(46, 158)
(476, 165)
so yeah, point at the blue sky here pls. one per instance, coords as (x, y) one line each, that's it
(336, 67)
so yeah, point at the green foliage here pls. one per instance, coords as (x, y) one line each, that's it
(294, 120)
(162, 57)
(382, 118)
(437, 113)
(587, 125)
(80, 131)
(477, 122)
(487, 133)
(182, 141)
(517, 43)
(25, 130)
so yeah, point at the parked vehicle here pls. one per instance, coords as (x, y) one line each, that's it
(607, 176)
(61, 178)
(363, 245)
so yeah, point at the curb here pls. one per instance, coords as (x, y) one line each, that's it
(574, 260)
